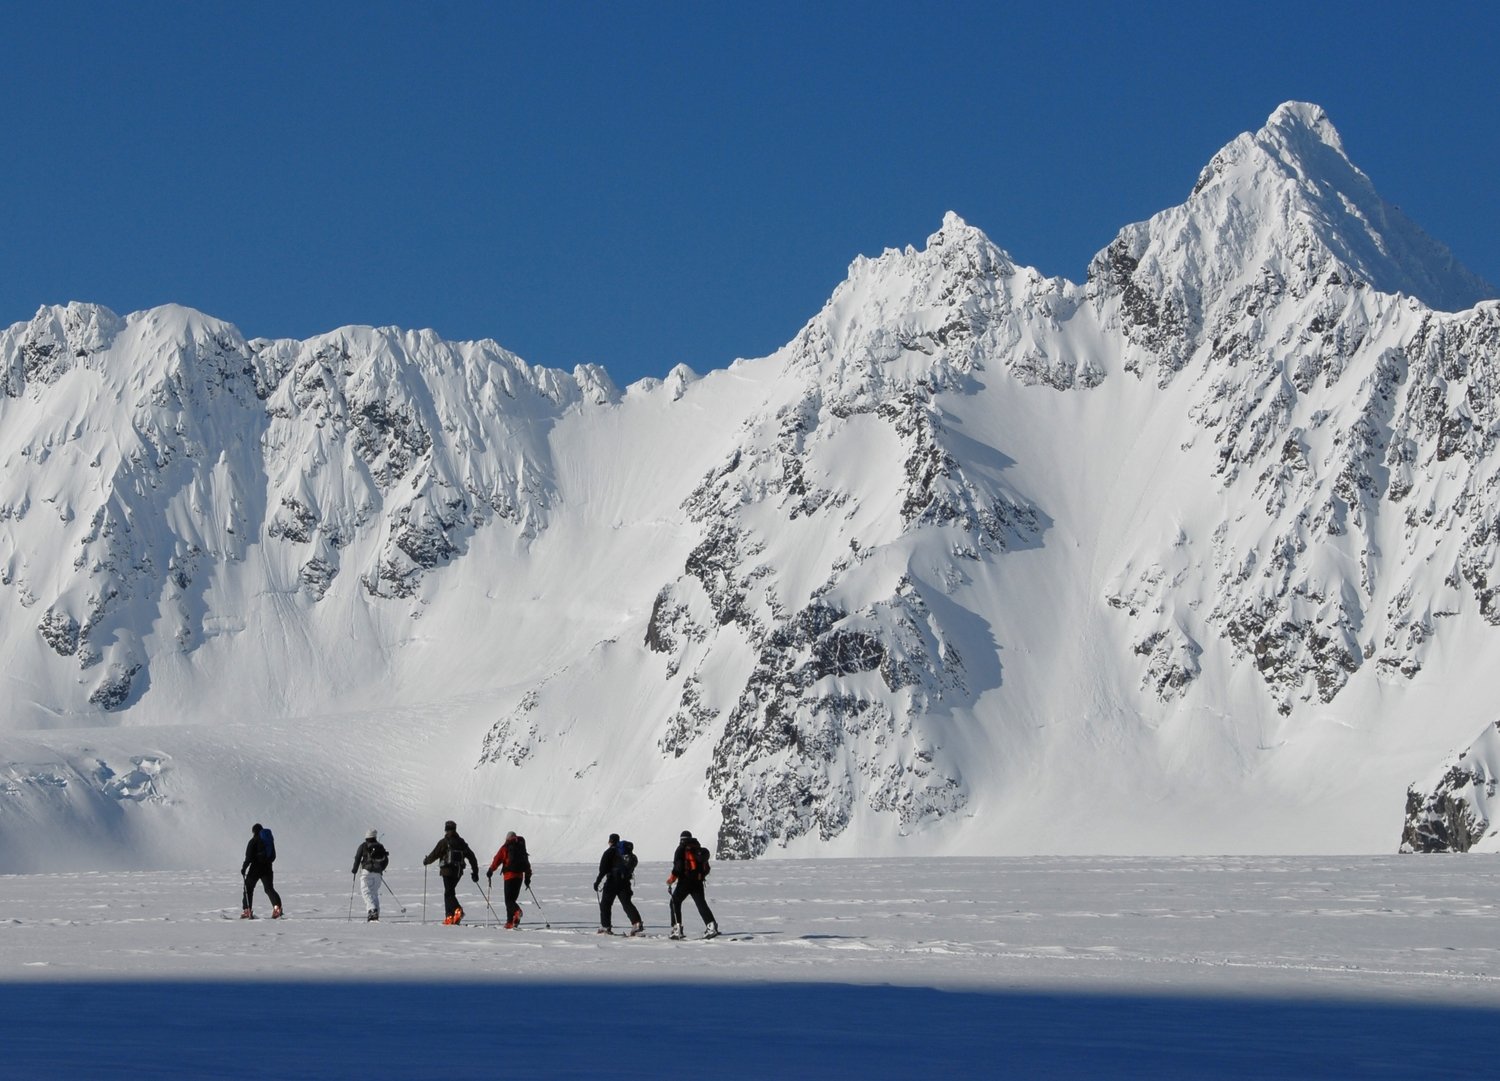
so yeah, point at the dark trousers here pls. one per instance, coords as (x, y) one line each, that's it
(513, 894)
(263, 876)
(684, 890)
(607, 903)
(450, 891)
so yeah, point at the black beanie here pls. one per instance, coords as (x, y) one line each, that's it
(614, 838)
(451, 826)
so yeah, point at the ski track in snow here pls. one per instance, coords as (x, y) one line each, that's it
(1253, 966)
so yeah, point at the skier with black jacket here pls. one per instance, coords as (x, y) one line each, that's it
(689, 869)
(516, 871)
(370, 861)
(260, 853)
(449, 854)
(616, 870)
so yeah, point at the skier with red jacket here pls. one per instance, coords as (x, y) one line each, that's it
(515, 870)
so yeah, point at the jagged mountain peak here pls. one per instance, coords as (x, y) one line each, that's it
(1288, 196)
(925, 317)
(1301, 130)
(1305, 116)
(1280, 213)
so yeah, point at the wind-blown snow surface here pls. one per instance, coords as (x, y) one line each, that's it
(1198, 555)
(1261, 967)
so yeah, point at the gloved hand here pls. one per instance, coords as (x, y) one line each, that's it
(528, 880)
(671, 879)
(475, 876)
(596, 884)
(489, 876)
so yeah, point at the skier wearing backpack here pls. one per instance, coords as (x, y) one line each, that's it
(450, 854)
(370, 861)
(260, 853)
(616, 870)
(515, 871)
(689, 869)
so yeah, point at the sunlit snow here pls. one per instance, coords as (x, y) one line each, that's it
(1305, 967)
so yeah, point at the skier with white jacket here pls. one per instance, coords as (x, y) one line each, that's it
(370, 861)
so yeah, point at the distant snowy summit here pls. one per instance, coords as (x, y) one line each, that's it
(1197, 554)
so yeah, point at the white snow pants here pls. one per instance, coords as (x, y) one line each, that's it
(369, 889)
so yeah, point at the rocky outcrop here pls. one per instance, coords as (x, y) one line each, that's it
(1453, 812)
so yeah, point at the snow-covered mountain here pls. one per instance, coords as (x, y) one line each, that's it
(1199, 554)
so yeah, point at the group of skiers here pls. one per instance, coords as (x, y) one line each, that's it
(614, 882)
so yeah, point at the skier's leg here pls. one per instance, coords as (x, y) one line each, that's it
(631, 912)
(702, 903)
(607, 905)
(268, 881)
(512, 896)
(369, 889)
(450, 893)
(678, 894)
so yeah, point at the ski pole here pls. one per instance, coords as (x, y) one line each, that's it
(392, 892)
(539, 907)
(424, 893)
(493, 914)
(350, 918)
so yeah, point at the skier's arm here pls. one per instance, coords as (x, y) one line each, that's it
(435, 854)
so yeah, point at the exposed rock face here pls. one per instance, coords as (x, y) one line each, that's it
(227, 443)
(1453, 813)
(1330, 404)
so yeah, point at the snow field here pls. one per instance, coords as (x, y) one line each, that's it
(1117, 967)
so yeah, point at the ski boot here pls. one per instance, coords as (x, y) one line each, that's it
(372, 917)
(637, 928)
(247, 915)
(711, 931)
(276, 913)
(677, 935)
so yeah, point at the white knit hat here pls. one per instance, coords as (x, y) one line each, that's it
(370, 836)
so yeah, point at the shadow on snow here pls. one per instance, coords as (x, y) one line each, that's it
(268, 1029)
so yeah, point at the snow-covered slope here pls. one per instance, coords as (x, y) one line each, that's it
(1196, 555)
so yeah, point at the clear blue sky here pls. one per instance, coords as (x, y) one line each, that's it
(645, 184)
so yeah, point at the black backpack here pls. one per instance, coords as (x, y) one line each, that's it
(624, 864)
(695, 861)
(376, 857)
(453, 856)
(519, 860)
(268, 845)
